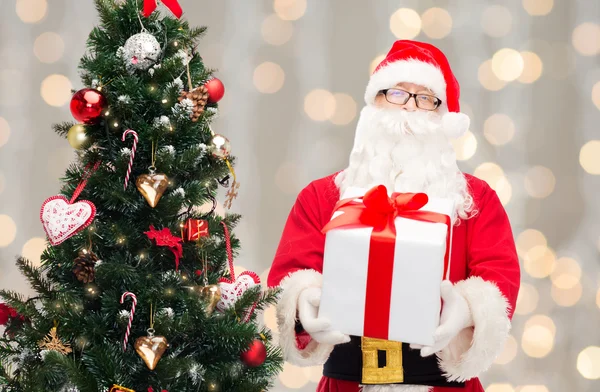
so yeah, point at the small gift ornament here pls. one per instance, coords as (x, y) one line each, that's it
(195, 229)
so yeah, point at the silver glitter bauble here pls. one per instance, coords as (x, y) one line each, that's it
(141, 51)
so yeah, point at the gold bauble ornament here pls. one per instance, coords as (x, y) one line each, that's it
(152, 186)
(220, 146)
(77, 137)
(151, 348)
(211, 294)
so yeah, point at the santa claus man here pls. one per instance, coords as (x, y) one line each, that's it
(403, 142)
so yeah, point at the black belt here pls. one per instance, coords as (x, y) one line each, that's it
(346, 363)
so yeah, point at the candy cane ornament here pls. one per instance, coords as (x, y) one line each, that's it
(131, 314)
(133, 148)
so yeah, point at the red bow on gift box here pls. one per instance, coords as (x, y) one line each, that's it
(172, 5)
(378, 210)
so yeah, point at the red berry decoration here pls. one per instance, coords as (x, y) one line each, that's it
(255, 355)
(216, 90)
(87, 105)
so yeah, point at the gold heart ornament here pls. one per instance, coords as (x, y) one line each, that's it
(151, 348)
(152, 186)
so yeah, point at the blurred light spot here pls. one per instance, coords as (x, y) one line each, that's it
(532, 388)
(4, 131)
(465, 146)
(504, 190)
(596, 94)
(376, 62)
(496, 21)
(527, 300)
(276, 31)
(31, 11)
(345, 109)
(268, 77)
(566, 274)
(289, 9)
(270, 318)
(437, 23)
(589, 157)
(14, 86)
(488, 79)
(538, 336)
(499, 129)
(539, 261)
(588, 362)
(538, 7)
(292, 376)
(567, 297)
(499, 388)
(528, 239)
(290, 178)
(319, 105)
(49, 47)
(405, 23)
(56, 90)
(507, 64)
(539, 182)
(8, 230)
(490, 173)
(314, 373)
(510, 351)
(532, 68)
(586, 39)
(32, 250)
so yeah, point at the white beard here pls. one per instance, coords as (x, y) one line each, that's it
(406, 152)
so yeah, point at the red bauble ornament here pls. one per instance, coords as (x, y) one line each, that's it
(216, 90)
(87, 105)
(255, 355)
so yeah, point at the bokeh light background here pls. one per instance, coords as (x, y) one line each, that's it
(295, 73)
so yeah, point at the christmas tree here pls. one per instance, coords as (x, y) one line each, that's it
(136, 290)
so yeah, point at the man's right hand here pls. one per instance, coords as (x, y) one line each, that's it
(318, 328)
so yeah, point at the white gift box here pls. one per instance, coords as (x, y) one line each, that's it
(418, 271)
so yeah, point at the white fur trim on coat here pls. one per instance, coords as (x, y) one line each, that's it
(474, 350)
(408, 71)
(287, 308)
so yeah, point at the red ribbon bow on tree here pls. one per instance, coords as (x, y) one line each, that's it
(172, 5)
(165, 238)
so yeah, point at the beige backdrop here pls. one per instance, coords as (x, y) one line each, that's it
(295, 72)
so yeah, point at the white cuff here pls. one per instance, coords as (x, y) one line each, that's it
(314, 353)
(474, 349)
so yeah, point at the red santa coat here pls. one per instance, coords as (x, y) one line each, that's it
(485, 270)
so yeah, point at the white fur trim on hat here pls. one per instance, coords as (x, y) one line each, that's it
(474, 349)
(407, 71)
(314, 353)
(455, 125)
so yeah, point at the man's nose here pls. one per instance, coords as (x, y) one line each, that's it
(411, 105)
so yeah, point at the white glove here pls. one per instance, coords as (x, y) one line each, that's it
(455, 317)
(318, 328)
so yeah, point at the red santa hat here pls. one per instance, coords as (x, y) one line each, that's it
(426, 65)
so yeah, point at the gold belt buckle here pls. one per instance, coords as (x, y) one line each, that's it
(118, 388)
(392, 372)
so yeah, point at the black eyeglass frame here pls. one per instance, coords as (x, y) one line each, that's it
(438, 101)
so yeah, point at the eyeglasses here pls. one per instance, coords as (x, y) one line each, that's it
(401, 97)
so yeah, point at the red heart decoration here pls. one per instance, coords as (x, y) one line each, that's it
(62, 220)
(232, 290)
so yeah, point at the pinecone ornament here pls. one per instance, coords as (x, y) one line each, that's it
(199, 96)
(84, 268)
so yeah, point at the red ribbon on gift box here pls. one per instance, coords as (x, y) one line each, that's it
(173, 5)
(378, 210)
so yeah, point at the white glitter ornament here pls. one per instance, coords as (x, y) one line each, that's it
(141, 51)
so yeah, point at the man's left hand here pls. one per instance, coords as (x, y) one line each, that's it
(455, 317)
